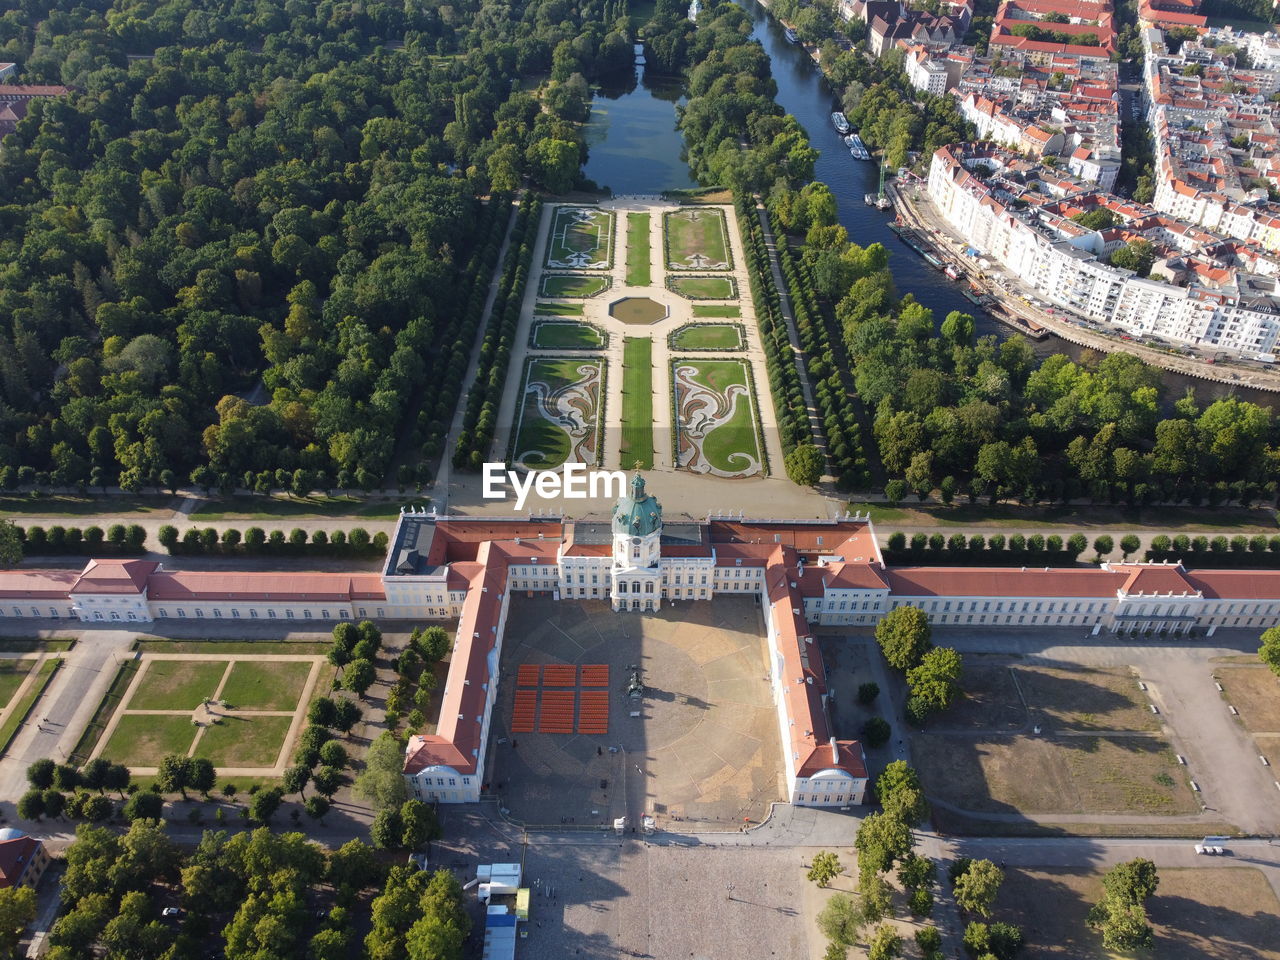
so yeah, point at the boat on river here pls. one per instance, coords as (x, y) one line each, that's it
(856, 147)
(841, 123)
(953, 272)
(791, 35)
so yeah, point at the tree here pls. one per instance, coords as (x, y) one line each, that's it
(885, 944)
(264, 804)
(294, 780)
(54, 803)
(804, 465)
(433, 644)
(929, 940)
(40, 773)
(881, 840)
(17, 909)
(901, 794)
(174, 774)
(841, 920)
(346, 716)
(1133, 880)
(1103, 545)
(327, 780)
(875, 732)
(934, 683)
(329, 944)
(144, 805)
(94, 774)
(976, 889)
(66, 777)
(903, 635)
(418, 823)
(10, 544)
(1129, 544)
(387, 830)
(867, 693)
(1121, 914)
(1269, 650)
(359, 677)
(382, 781)
(353, 863)
(202, 775)
(31, 805)
(334, 754)
(322, 711)
(824, 868)
(316, 806)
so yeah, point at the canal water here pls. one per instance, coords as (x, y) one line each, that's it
(634, 147)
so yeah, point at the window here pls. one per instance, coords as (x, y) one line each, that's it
(453, 782)
(253, 614)
(622, 586)
(271, 614)
(199, 612)
(217, 614)
(324, 614)
(236, 613)
(288, 614)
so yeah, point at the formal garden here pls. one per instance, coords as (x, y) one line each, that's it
(716, 417)
(560, 407)
(581, 238)
(697, 238)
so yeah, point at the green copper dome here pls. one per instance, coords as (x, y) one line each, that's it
(638, 513)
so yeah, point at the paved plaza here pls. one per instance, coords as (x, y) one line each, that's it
(704, 748)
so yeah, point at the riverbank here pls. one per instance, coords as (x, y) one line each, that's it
(915, 207)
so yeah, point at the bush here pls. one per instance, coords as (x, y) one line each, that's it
(876, 732)
(867, 693)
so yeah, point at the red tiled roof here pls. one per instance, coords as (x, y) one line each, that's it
(1003, 582)
(315, 587)
(1236, 584)
(37, 584)
(1149, 580)
(115, 576)
(15, 857)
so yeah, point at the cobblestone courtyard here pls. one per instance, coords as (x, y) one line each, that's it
(704, 748)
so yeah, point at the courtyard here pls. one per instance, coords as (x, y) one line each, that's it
(242, 712)
(699, 747)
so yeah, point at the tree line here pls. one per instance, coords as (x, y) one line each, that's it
(247, 240)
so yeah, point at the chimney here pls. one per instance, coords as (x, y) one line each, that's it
(835, 751)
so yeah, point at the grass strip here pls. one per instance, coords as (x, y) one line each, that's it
(716, 310)
(111, 701)
(218, 648)
(637, 403)
(36, 644)
(638, 250)
(18, 716)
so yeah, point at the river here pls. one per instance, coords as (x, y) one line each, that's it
(634, 147)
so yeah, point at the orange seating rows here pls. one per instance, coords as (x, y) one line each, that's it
(559, 675)
(527, 675)
(522, 715)
(595, 674)
(593, 711)
(556, 715)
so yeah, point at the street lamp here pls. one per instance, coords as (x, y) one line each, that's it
(729, 888)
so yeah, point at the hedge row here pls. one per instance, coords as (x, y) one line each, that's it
(443, 386)
(485, 396)
(256, 541)
(784, 381)
(833, 396)
(116, 540)
(994, 551)
(1220, 551)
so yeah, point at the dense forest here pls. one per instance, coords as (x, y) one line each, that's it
(246, 241)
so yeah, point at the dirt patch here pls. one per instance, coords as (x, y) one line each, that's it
(1085, 698)
(1221, 914)
(1255, 692)
(1120, 775)
(991, 700)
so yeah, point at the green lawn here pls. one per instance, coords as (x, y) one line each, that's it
(716, 310)
(144, 740)
(705, 288)
(1070, 519)
(106, 709)
(708, 336)
(23, 707)
(697, 238)
(12, 673)
(177, 684)
(277, 506)
(572, 286)
(266, 684)
(244, 741)
(581, 238)
(36, 644)
(737, 432)
(219, 647)
(558, 309)
(637, 403)
(638, 249)
(121, 507)
(558, 419)
(552, 335)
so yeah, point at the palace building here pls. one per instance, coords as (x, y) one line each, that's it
(805, 574)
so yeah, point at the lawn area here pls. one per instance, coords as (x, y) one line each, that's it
(176, 684)
(637, 403)
(558, 421)
(1085, 699)
(1197, 914)
(106, 709)
(274, 507)
(697, 238)
(1047, 775)
(709, 336)
(217, 648)
(266, 684)
(581, 238)
(705, 288)
(716, 310)
(12, 673)
(557, 335)
(1255, 692)
(638, 250)
(715, 417)
(120, 508)
(29, 699)
(36, 644)
(244, 741)
(557, 309)
(572, 285)
(142, 740)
